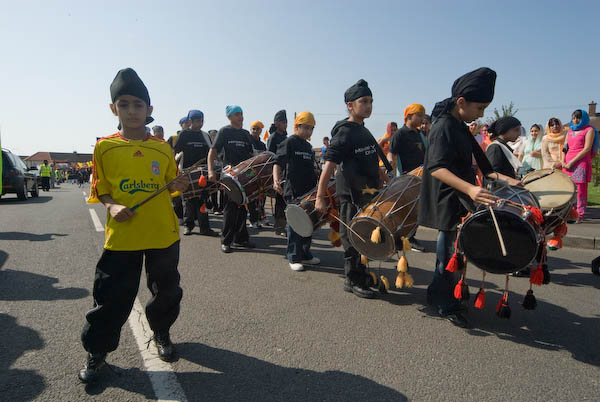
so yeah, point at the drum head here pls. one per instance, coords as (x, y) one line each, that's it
(553, 191)
(364, 226)
(233, 189)
(299, 220)
(479, 242)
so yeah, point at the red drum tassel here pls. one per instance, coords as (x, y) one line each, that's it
(202, 181)
(452, 264)
(537, 276)
(203, 207)
(458, 294)
(537, 214)
(480, 299)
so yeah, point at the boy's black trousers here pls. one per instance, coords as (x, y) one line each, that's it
(116, 284)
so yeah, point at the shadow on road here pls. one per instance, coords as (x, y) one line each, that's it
(42, 199)
(17, 384)
(29, 236)
(3, 258)
(242, 377)
(20, 285)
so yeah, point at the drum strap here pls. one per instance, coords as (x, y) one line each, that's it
(382, 156)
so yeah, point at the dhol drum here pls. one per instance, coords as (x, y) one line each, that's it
(302, 215)
(556, 193)
(249, 179)
(394, 211)
(198, 186)
(521, 234)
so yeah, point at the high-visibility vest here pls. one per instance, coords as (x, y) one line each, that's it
(45, 171)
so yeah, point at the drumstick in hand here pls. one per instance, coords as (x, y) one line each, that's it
(500, 239)
(166, 186)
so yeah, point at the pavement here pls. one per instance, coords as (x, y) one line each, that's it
(585, 235)
(250, 329)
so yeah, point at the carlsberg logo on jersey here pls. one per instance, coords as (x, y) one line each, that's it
(135, 186)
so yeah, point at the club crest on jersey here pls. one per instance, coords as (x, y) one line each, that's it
(138, 154)
(155, 168)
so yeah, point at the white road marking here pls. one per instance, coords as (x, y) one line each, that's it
(163, 379)
(96, 220)
(84, 194)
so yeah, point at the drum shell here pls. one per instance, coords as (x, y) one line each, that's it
(556, 194)
(522, 235)
(194, 190)
(395, 211)
(249, 179)
(302, 216)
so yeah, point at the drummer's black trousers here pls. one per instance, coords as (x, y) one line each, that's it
(192, 212)
(116, 285)
(234, 223)
(353, 269)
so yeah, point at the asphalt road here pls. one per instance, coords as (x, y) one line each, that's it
(251, 329)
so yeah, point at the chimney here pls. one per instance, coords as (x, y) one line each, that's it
(592, 109)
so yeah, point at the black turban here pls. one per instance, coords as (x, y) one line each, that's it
(502, 125)
(127, 82)
(358, 90)
(476, 86)
(280, 116)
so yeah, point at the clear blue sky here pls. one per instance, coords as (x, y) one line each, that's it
(58, 59)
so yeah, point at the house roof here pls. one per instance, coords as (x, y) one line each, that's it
(59, 157)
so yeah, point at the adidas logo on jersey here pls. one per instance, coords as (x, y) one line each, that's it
(138, 153)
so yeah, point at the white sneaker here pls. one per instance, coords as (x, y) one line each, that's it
(296, 266)
(313, 261)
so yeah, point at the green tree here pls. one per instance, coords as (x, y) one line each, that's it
(504, 111)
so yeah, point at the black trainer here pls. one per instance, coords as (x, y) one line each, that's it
(94, 364)
(226, 248)
(166, 349)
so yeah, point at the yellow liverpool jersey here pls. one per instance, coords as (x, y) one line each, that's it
(129, 171)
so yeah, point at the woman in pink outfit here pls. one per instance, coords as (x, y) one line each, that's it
(577, 162)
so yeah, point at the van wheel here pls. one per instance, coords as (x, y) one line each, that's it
(22, 194)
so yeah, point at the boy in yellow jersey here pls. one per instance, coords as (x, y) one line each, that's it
(128, 167)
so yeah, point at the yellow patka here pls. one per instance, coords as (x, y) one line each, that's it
(129, 171)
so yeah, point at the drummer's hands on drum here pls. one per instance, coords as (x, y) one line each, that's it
(514, 182)
(557, 165)
(179, 184)
(481, 195)
(321, 205)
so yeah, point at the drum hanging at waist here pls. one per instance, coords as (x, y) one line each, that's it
(250, 179)
(302, 215)
(392, 213)
(199, 183)
(521, 234)
(555, 192)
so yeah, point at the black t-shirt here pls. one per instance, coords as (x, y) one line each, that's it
(353, 148)
(409, 147)
(297, 157)
(234, 143)
(193, 145)
(257, 144)
(274, 140)
(451, 146)
(498, 160)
